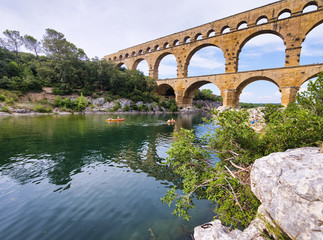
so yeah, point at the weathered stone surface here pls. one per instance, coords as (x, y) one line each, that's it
(290, 187)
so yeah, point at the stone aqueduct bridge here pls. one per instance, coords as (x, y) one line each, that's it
(230, 35)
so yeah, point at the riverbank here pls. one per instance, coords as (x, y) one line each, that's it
(47, 103)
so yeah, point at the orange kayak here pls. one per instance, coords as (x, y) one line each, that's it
(115, 120)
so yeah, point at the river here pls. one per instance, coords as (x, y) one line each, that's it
(80, 177)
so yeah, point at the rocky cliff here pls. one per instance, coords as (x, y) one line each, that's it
(290, 187)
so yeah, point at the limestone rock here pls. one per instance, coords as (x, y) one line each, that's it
(290, 186)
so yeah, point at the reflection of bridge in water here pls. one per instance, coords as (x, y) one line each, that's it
(285, 19)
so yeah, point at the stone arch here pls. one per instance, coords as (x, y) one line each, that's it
(165, 90)
(176, 42)
(314, 26)
(190, 55)
(248, 81)
(120, 64)
(156, 48)
(187, 39)
(253, 35)
(309, 77)
(309, 45)
(198, 37)
(225, 29)
(136, 63)
(148, 50)
(191, 90)
(126, 55)
(210, 33)
(157, 63)
(166, 45)
(262, 20)
(286, 13)
(242, 25)
(312, 4)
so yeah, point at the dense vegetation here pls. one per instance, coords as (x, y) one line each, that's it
(207, 95)
(226, 182)
(68, 70)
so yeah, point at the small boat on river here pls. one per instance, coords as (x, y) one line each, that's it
(114, 119)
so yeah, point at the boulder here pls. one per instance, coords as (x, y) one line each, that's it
(290, 187)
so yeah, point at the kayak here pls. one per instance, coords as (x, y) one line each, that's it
(115, 119)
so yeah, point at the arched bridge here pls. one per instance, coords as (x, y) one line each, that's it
(286, 19)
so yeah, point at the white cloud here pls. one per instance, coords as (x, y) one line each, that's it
(102, 27)
(207, 63)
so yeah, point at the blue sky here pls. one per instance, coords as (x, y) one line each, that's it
(103, 27)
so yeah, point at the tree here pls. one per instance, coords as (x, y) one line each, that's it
(56, 45)
(13, 41)
(226, 182)
(33, 45)
(313, 97)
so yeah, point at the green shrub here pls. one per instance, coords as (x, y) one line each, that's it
(42, 109)
(10, 101)
(226, 183)
(5, 109)
(116, 106)
(81, 103)
(133, 106)
(2, 98)
(126, 108)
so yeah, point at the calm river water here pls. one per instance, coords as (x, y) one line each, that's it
(79, 177)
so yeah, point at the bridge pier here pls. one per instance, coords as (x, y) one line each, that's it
(288, 94)
(230, 97)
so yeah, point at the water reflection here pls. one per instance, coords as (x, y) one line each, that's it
(58, 147)
(79, 177)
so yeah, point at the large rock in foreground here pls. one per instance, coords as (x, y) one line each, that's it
(290, 186)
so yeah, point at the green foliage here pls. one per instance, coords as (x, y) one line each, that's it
(2, 98)
(294, 127)
(250, 105)
(42, 109)
(116, 106)
(270, 111)
(313, 98)
(10, 101)
(81, 103)
(126, 108)
(226, 182)
(5, 109)
(207, 95)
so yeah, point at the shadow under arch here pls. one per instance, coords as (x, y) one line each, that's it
(121, 65)
(191, 90)
(157, 63)
(165, 90)
(254, 35)
(195, 50)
